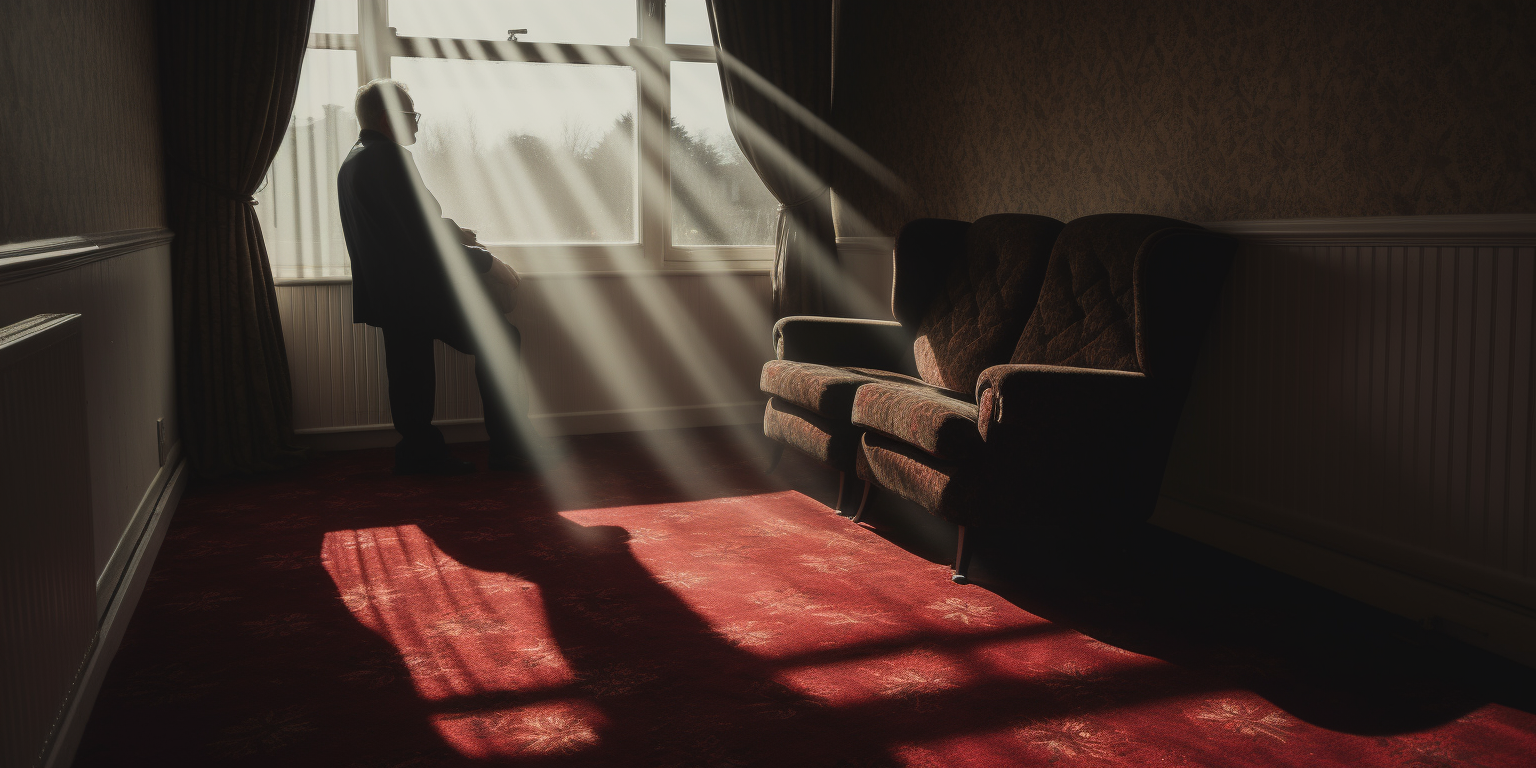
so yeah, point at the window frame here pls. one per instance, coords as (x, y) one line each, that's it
(651, 57)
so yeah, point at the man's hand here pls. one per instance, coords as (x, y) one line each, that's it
(504, 273)
(502, 282)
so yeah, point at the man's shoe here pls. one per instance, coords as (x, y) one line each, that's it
(442, 465)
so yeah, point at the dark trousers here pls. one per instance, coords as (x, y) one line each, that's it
(413, 392)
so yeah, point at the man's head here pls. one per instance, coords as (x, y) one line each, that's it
(385, 106)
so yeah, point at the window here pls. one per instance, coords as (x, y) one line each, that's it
(540, 144)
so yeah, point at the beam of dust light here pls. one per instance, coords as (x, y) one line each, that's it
(822, 263)
(585, 314)
(678, 330)
(566, 493)
(608, 341)
(613, 355)
(562, 493)
(702, 365)
(661, 298)
(493, 339)
(831, 136)
(749, 314)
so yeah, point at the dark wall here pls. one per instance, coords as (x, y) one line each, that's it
(79, 137)
(1198, 109)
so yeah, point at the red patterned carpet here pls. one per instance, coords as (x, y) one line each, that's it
(664, 604)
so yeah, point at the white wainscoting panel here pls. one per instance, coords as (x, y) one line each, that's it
(603, 352)
(125, 307)
(47, 578)
(120, 285)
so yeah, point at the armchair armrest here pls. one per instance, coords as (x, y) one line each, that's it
(840, 341)
(1059, 404)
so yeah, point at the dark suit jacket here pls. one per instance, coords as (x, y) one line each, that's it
(389, 218)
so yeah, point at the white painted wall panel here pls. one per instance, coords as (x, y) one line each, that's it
(47, 584)
(125, 304)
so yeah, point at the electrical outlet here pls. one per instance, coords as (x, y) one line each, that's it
(160, 440)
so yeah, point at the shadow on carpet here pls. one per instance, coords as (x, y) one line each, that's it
(656, 601)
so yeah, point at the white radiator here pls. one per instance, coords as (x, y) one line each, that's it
(1374, 396)
(47, 573)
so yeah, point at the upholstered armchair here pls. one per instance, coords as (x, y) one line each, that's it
(961, 295)
(1076, 426)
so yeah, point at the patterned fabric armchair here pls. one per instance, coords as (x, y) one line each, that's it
(961, 296)
(1077, 425)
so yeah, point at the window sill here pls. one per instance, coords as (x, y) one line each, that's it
(671, 268)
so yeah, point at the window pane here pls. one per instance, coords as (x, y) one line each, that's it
(336, 17)
(717, 199)
(598, 22)
(528, 153)
(688, 23)
(297, 206)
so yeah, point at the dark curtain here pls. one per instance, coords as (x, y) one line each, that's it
(229, 73)
(788, 45)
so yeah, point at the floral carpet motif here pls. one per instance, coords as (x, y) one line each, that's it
(339, 616)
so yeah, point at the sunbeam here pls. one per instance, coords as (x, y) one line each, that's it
(561, 148)
(836, 140)
(609, 383)
(605, 341)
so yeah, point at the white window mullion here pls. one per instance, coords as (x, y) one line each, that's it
(653, 173)
(376, 41)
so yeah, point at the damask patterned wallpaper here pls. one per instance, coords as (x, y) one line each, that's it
(1197, 109)
(80, 130)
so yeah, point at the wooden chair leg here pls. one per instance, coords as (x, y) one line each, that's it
(962, 561)
(863, 501)
(773, 459)
(842, 477)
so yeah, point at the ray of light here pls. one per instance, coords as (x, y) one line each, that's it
(580, 308)
(833, 138)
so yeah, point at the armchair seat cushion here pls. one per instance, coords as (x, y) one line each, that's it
(937, 421)
(820, 389)
(943, 488)
(825, 440)
(824, 389)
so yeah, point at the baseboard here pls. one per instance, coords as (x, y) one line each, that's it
(548, 424)
(363, 436)
(119, 610)
(111, 577)
(1481, 620)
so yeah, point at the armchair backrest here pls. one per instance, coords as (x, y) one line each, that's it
(966, 290)
(1127, 292)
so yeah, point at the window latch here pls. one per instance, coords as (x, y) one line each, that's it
(513, 33)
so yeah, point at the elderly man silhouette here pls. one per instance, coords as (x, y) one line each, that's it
(404, 257)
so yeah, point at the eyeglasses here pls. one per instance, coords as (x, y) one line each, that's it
(414, 116)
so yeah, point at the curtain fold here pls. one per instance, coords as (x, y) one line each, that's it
(229, 74)
(776, 71)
